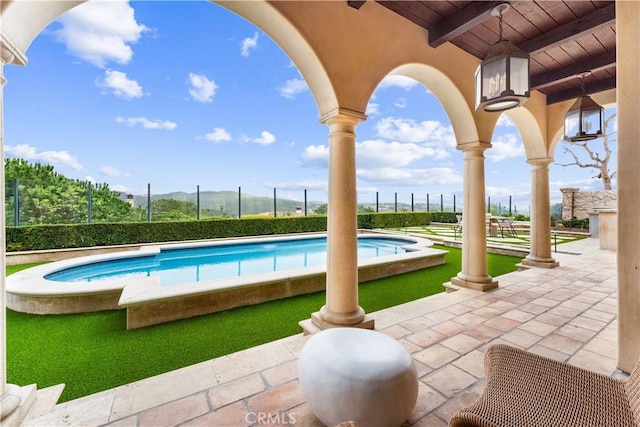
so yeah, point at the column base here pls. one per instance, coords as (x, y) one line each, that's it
(15, 404)
(482, 285)
(537, 262)
(316, 324)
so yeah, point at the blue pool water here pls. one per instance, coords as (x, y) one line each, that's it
(196, 264)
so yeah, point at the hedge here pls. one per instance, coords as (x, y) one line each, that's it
(43, 237)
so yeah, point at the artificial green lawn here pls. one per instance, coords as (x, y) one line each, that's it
(94, 351)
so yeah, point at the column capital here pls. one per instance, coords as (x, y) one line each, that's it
(540, 161)
(343, 114)
(10, 53)
(473, 146)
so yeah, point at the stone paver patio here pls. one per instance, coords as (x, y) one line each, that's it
(567, 313)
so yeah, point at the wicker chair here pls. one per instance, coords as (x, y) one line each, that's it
(525, 389)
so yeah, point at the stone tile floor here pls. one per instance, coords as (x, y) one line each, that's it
(567, 313)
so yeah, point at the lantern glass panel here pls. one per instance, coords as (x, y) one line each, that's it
(520, 76)
(591, 122)
(571, 121)
(478, 86)
(494, 78)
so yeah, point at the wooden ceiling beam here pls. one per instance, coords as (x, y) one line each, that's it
(461, 21)
(356, 4)
(589, 88)
(569, 72)
(571, 30)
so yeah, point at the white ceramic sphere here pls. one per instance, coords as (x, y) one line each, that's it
(353, 374)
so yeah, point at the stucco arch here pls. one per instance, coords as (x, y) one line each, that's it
(270, 20)
(448, 94)
(24, 20)
(531, 133)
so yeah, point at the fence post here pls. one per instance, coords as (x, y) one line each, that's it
(198, 202)
(509, 205)
(305, 202)
(441, 203)
(411, 202)
(454, 202)
(377, 204)
(395, 203)
(239, 202)
(16, 202)
(488, 204)
(149, 202)
(428, 205)
(275, 208)
(89, 202)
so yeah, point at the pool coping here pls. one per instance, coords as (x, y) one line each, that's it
(148, 302)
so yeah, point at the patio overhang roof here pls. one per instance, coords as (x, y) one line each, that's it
(564, 38)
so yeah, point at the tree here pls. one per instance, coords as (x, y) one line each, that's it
(47, 197)
(365, 209)
(596, 161)
(173, 210)
(321, 209)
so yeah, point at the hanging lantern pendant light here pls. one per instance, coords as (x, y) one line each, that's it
(584, 120)
(502, 79)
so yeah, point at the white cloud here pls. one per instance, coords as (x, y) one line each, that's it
(120, 188)
(54, 158)
(201, 88)
(218, 135)
(366, 190)
(248, 44)
(120, 85)
(410, 177)
(146, 123)
(400, 103)
(504, 121)
(110, 171)
(373, 109)
(505, 147)
(316, 155)
(428, 132)
(298, 185)
(100, 31)
(291, 88)
(515, 190)
(377, 153)
(406, 83)
(265, 138)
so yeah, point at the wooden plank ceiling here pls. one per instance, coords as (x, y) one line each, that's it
(564, 38)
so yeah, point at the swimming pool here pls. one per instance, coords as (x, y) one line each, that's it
(150, 298)
(177, 266)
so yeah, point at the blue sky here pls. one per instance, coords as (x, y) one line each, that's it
(180, 94)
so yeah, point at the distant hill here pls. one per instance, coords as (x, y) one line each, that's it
(217, 202)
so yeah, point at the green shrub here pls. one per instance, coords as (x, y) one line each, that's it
(43, 237)
(576, 223)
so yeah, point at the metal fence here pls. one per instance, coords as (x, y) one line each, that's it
(30, 204)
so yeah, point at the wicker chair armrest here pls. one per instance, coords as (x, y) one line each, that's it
(526, 389)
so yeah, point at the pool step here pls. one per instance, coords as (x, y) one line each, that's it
(18, 401)
(45, 400)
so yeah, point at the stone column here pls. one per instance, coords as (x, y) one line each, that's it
(341, 308)
(9, 394)
(474, 238)
(540, 252)
(628, 103)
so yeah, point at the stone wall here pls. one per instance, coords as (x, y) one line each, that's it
(578, 204)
